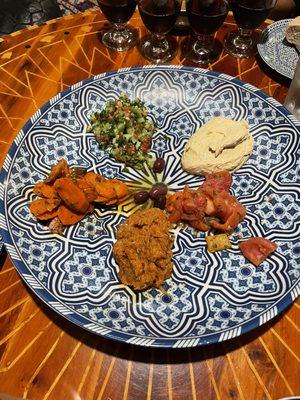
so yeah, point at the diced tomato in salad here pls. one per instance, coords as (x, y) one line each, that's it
(211, 206)
(188, 205)
(208, 207)
(218, 181)
(229, 210)
(257, 249)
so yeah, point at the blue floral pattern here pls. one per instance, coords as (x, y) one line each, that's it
(209, 297)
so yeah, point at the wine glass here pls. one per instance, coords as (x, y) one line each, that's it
(205, 18)
(159, 17)
(248, 15)
(121, 37)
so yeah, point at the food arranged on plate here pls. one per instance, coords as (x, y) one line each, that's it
(143, 247)
(68, 195)
(257, 249)
(125, 130)
(217, 242)
(220, 144)
(157, 193)
(210, 206)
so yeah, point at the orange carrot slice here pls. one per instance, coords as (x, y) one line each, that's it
(70, 193)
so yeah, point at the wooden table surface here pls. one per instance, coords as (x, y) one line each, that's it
(43, 356)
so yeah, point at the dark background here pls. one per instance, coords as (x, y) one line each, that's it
(17, 14)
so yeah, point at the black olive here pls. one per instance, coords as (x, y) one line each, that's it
(141, 197)
(159, 165)
(160, 202)
(157, 190)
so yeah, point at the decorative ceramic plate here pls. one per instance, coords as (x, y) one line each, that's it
(276, 51)
(210, 297)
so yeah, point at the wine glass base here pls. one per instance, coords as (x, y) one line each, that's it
(165, 52)
(240, 47)
(120, 40)
(201, 52)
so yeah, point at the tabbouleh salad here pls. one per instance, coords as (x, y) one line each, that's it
(123, 129)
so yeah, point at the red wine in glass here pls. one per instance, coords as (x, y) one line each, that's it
(119, 12)
(159, 17)
(205, 18)
(248, 15)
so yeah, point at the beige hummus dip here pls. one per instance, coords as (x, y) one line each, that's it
(221, 144)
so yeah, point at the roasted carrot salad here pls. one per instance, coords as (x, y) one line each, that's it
(68, 195)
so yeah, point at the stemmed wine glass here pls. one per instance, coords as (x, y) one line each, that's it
(205, 18)
(159, 17)
(248, 15)
(121, 37)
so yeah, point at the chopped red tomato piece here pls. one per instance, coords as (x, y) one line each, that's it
(218, 181)
(257, 249)
(208, 207)
(188, 205)
(230, 211)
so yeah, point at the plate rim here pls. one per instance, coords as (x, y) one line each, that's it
(64, 311)
(260, 45)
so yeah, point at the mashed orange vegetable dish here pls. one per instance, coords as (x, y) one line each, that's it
(143, 249)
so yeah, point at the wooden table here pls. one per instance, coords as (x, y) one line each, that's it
(42, 356)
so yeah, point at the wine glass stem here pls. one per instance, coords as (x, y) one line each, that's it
(159, 43)
(157, 39)
(244, 39)
(119, 27)
(245, 33)
(203, 38)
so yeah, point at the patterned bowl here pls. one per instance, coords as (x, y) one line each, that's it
(210, 297)
(276, 51)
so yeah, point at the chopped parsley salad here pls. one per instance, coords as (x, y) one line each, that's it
(123, 129)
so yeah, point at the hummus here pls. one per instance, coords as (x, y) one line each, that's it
(221, 144)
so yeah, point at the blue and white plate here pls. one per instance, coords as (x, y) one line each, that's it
(211, 297)
(276, 51)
